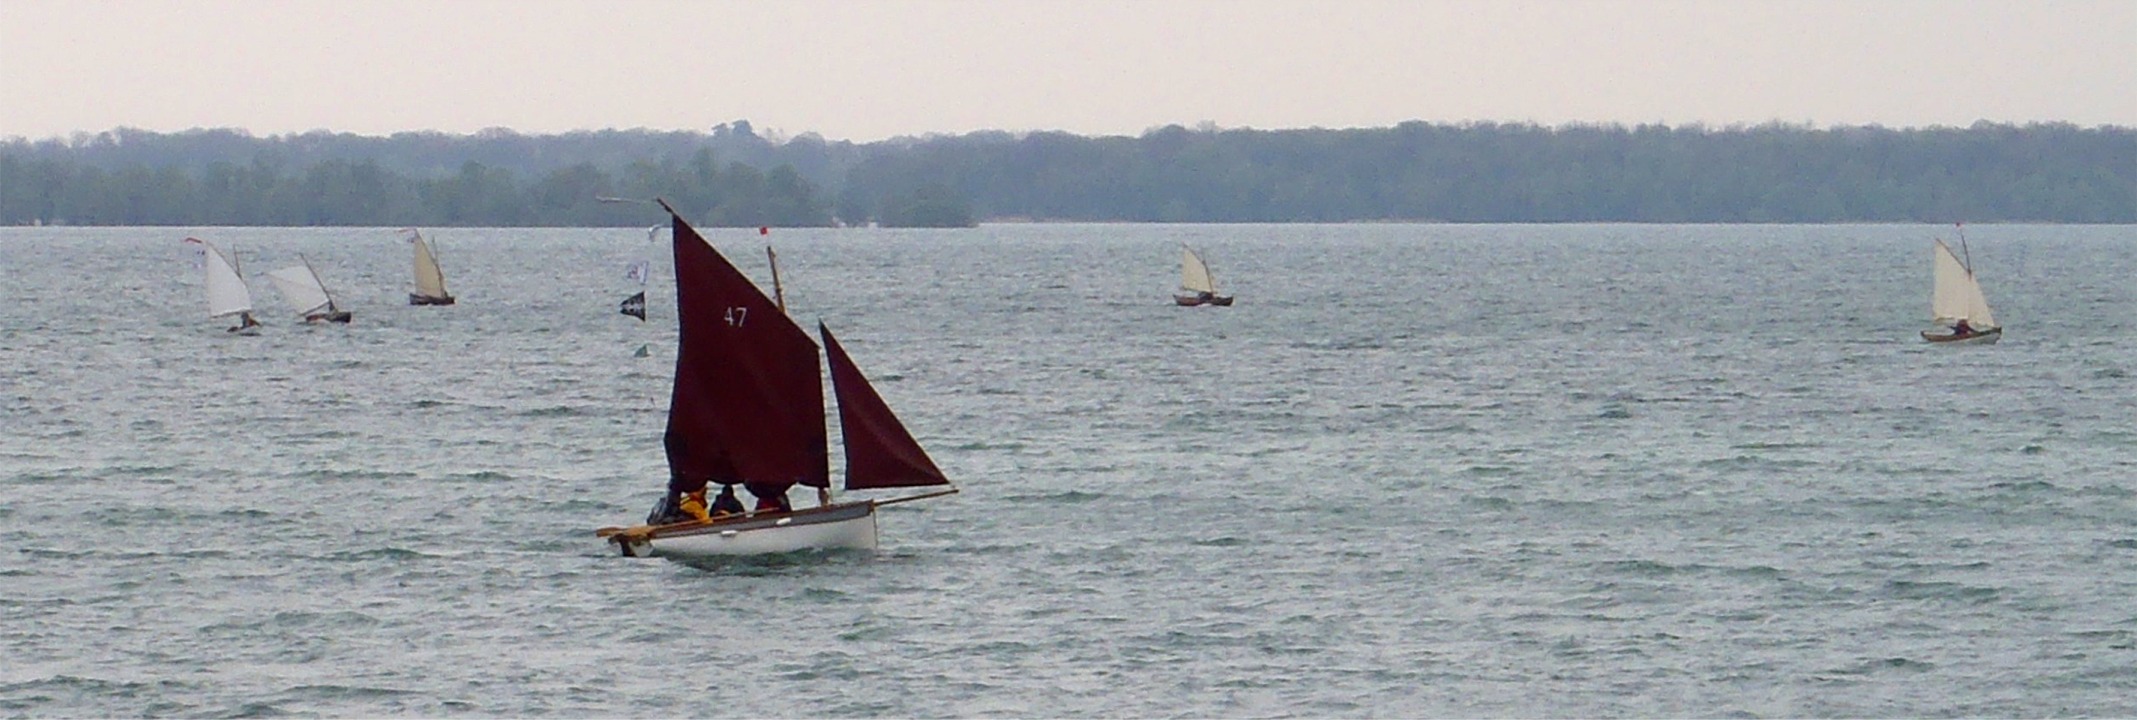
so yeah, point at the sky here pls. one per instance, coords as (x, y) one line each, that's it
(864, 70)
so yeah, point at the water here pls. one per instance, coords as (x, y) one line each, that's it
(1416, 471)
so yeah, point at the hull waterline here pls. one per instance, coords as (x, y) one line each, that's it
(849, 526)
(1985, 337)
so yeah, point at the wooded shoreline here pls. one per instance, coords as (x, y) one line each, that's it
(1413, 172)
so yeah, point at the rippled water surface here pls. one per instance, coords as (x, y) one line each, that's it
(1417, 470)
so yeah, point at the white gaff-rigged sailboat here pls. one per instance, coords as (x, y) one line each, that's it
(227, 294)
(748, 409)
(300, 285)
(1199, 285)
(1956, 301)
(430, 281)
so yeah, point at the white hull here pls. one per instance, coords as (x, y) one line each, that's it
(840, 527)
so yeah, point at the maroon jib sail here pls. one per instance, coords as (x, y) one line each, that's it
(748, 405)
(880, 453)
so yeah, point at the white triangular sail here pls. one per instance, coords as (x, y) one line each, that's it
(1956, 295)
(430, 282)
(301, 287)
(227, 294)
(1194, 274)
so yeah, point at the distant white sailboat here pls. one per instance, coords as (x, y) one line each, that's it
(300, 285)
(1956, 301)
(430, 281)
(1196, 280)
(227, 294)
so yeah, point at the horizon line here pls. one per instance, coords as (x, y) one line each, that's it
(781, 137)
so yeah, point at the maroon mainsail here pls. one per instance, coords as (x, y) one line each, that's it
(749, 400)
(880, 453)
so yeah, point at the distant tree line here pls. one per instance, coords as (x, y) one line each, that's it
(334, 190)
(1527, 173)
(733, 176)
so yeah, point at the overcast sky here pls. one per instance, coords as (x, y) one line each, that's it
(869, 69)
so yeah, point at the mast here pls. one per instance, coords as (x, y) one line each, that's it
(1968, 254)
(237, 269)
(316, 280)
(823, 494)
(777, 294)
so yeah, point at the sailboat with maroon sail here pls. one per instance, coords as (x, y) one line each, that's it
(748, 409)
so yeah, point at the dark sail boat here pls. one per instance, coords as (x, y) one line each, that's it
(748, 409)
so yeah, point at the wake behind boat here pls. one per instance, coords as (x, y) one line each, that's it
(1956, 301)
(747, 409)
(227, 294)
(300, 285)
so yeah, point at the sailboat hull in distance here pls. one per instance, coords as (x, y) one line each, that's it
(337, 316)
(1955, 298)
(1978, 337)
(843, 526)
(414, 299)
(1199, 285)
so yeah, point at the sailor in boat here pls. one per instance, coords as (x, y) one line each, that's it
(671, 508)
(245, 322)
(772, 502)
(693, 506)
(727, 504)
(686, 503)
(1961, 329)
